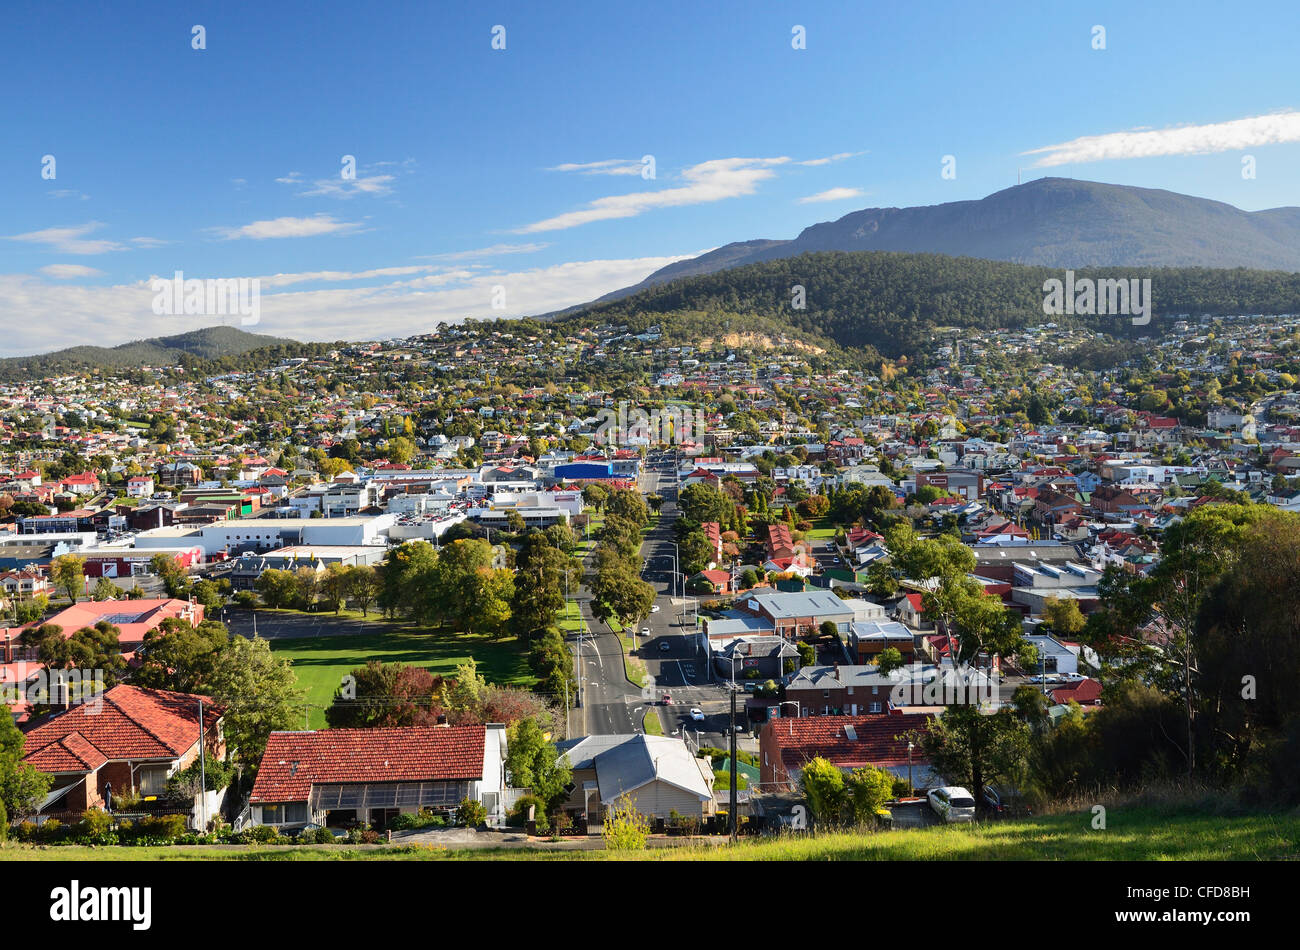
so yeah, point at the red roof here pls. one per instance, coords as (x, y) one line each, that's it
(294, 761)
(1084, 692)
(129, 723)
(881, 740)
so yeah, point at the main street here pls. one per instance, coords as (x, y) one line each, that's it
(671, 652)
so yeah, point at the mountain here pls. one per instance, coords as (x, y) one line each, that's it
(209, 343)
(1053, 222)
(895, 302)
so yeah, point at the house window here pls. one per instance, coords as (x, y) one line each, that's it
(875, 707)
(289, 814)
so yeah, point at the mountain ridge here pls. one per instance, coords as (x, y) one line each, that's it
(1052, 222)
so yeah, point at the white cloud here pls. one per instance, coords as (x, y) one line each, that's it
(708, 181)
(289, 228)
(609, 166)
(349, 187)
(70, 240)
(68, 193)
(832, 194)
(1180, 140)
(495, 250)
(69, 271)
(112, 315)
(837, 157)
(148, 242)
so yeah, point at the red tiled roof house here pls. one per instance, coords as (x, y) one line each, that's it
(338, 777)
(129, 738)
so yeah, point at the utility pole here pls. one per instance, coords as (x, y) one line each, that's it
(203, 776)
(731, 809)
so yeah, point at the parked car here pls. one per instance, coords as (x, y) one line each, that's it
(645, 631)
(664, 646)
(697, 714)
(952, 803)
(654, 609)
(993, 800)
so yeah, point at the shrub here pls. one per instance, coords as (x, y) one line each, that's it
(470, 813)
(321, 836)
(519, 814)
(626, 829)
(160, 828)
(95, 827)
(4, 822)
(50, 831)
(422, 819)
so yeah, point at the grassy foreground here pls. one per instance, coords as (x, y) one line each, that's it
(1132, 834)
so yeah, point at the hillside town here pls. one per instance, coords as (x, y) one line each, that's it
(677, 576)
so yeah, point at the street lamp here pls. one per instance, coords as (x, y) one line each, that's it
(910, 789)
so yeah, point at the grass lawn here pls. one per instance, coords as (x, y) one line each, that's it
(321, 662)
(651, 723)
(822, 530)
(1132, 834)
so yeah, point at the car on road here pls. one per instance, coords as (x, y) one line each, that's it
(664, 646)
(668, 699)
(952, 803)
(645, 631)
(654, 609)
(697, 714)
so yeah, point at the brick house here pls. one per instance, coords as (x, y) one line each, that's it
(132, 738)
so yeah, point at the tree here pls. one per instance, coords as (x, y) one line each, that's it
(823, 788)
(105, 589)
(278, 588)
(259, 693)
(888, 660)
(867, 789)
(386, 694)
(363, 585)
(972, 749)
(170, 572)
(22, 788)
(1064, 616)
(533, 762)
(67, 572)
(180, 657)
(542, 574)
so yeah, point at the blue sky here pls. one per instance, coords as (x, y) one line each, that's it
(520, 169)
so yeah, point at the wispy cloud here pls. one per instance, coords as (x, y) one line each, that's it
(350, 187)
(495, 250)
(68, 193)
(832, 194)
(710, 181)
(837, 157)
(338, 276)
(289, 228)
(69, 271)
(70, 240)
(609, 166)
(1179, 140)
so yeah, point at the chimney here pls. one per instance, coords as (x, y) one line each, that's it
(837, 671)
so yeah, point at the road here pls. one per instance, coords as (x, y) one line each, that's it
(671, 651)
